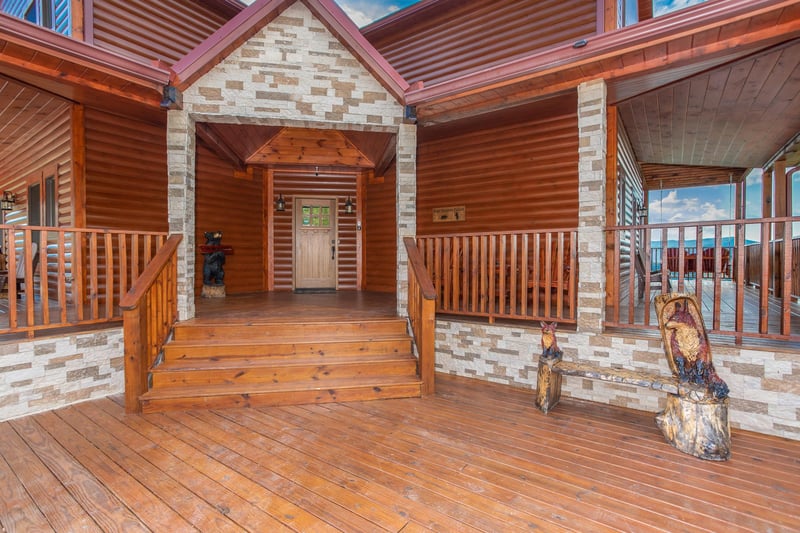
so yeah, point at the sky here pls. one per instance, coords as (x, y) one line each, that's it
(365, 11)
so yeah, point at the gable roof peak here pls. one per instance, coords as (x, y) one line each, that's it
(252, 19)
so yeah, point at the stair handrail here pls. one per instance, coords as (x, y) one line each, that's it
(422, 314)
(149, 312)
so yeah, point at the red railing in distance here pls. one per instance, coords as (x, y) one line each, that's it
(422, 315)
(740, 270)
(521, 275)
(55, 277)
(150, 310)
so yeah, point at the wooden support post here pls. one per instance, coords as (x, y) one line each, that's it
(548, 383)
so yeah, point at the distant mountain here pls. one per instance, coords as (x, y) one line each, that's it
(727, 242)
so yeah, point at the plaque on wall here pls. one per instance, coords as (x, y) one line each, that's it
(450, 214)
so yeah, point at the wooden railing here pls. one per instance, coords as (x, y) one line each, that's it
(754, 273)
(68, 277)
(525, 275)
(150, 310)
(422, 314)
(747, 291)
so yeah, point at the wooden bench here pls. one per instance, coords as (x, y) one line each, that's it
(695, 419)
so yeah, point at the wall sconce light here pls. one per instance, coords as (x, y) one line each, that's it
(8, 201)
(349, 208)
(280, 205)
(641, 212)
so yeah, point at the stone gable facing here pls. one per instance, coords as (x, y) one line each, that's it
(296, 72)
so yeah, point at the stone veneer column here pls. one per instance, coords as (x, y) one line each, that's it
(181, 194)
(406, 206)
(592, 134)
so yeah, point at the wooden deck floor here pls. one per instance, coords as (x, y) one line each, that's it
(475, 457)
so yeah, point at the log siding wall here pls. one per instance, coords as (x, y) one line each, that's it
(452, 38)
(380, 233)
(235, 207)
(517, 177)
(307, 184)
(126, 173)
(165, 30)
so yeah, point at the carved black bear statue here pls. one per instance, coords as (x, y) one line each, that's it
(213, 274)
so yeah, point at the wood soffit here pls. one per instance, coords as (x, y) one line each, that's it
(676, 176)
(667, 48)
(275, 146)
(75, 70)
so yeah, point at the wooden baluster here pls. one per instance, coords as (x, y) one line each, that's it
(62, 276)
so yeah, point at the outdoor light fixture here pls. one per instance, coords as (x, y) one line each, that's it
(8, 201)
(280, 205)
(349, 208)
(641, 212)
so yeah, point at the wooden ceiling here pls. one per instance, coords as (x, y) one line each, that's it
(737, 115)
(23, 114)
(284, 146)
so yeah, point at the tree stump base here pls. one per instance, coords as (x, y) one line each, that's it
(697, 425)
(213, 291)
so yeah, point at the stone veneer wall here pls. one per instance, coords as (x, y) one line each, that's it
(48, 373)
(294, 72)
(765, 384)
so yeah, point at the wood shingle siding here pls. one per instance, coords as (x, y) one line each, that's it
(126, 179)
(453, 38)
(164, 30)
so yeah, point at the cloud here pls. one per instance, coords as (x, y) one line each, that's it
(362, 12)
(667, 6)
(672, 209)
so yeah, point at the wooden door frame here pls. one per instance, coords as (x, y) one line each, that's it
(295, 213)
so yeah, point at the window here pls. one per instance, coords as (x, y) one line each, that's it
(52, 14)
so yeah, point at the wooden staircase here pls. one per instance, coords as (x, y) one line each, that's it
(283, 363)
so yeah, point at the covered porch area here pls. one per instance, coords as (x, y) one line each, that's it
(474, 457)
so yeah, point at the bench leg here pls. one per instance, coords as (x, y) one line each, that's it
(697, 427)
(548, 384)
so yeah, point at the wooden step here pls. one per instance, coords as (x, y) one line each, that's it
(287, 347)
(307, 329)
(242, 370)
(271, 394)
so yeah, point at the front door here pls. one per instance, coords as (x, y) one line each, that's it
(315, 243)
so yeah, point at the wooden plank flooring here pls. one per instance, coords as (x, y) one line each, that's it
(475, 457)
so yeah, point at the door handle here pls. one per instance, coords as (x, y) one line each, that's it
(333, 250)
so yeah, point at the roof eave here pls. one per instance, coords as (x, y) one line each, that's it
(616, 43)
(53, 44)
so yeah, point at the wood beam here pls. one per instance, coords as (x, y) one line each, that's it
(612, 292)
(207, 134)
(388, 157)
(78, 200)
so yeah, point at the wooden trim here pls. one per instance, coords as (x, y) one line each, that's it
(88, 21)
(269, 209)
(609, 11)
(612, 178)
(361, 261)
(644, 10)
(78, 14)
(78, 201)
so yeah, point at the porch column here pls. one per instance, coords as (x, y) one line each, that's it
(406, 206)
(592, 139)
(181, 194)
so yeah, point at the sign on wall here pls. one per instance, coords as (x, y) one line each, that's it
(450, 214)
